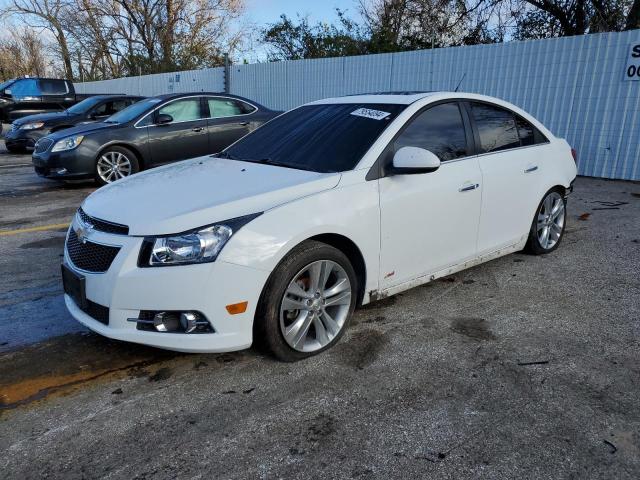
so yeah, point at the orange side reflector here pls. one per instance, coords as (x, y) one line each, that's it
(236, 308)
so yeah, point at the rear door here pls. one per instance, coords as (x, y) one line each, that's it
(511, 168)
(429, 221)
(185, 137)
(229, 119)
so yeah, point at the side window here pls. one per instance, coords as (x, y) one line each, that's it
(227, 107)
(529, 135)
(101, 110)
(53, 87)
(184, 110)
(26, 87)
(496, 127)
(439, 130)
(118, 105)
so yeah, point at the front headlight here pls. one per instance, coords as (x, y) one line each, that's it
(67, 143)
(197, 246)
(32, 126)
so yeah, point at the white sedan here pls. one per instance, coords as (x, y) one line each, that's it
(332, 205)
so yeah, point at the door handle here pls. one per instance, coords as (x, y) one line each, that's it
(197, 129)
(244, 124)
(468, 188)
(530, 169)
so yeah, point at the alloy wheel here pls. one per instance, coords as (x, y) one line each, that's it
(315, 306)
(113, 166)
(551, 217)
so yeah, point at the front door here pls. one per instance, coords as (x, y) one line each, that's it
(184, 137)
(430, 221)
(229, 121)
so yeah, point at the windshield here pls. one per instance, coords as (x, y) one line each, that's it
(134, 111)
(85, 105)
(321, 138)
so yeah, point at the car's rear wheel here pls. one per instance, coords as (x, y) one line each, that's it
(548, 224)
(115, 163)
(307, 303)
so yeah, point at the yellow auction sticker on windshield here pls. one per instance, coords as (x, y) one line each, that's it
(369, 113)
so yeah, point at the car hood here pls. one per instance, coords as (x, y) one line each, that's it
(83, 129)
(48, 118)
(198, 192)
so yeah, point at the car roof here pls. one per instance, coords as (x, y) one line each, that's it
(115, 95)
(401, 98)
(168, 96)
(407, 98)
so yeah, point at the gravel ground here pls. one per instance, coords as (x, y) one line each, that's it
(524, 367)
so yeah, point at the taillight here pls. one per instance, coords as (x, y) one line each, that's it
(574, 154)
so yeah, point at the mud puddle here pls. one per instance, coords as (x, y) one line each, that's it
(63, 364)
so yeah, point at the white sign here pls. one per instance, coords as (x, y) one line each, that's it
(632, 67)
(369, 113)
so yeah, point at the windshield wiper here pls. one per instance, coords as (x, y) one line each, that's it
(275, 163)
(226, 155)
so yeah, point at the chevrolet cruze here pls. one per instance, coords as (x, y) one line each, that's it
(331, 205)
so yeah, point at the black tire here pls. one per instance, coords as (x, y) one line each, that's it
(267, 332)
(534, 245)
(116, 150)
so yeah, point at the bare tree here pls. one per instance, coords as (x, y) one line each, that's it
(22, 53)
(633, 18)
(47, 15)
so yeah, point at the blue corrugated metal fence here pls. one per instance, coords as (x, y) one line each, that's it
(576, 86)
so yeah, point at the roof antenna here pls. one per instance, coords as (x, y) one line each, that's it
(460, 82)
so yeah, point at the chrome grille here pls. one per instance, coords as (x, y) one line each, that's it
(43, 145)
(89, 256)
(103, 225)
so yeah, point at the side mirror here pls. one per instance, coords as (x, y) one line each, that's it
(164, 118)
(410, 160)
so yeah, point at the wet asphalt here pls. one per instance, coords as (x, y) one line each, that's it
(524, 367)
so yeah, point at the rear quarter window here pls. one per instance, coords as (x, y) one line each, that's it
(53, 87)
(529, 135)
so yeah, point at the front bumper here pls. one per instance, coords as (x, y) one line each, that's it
(23, 139)
(72, 164)
(125, 289)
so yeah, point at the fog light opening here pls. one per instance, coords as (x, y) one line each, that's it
(166, 322)
(172, 322)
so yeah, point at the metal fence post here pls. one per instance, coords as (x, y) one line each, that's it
(227, 74)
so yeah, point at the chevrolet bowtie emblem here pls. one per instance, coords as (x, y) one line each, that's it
(83, 230)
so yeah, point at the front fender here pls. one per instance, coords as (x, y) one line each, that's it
(351, 210)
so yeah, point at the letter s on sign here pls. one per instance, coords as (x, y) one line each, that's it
(636, 51)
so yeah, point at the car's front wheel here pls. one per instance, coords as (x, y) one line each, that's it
(307, 303)
(114, 164)
(548, 224)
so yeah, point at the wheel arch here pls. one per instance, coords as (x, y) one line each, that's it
(136, 151)
(353, 253)
(340, 242)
